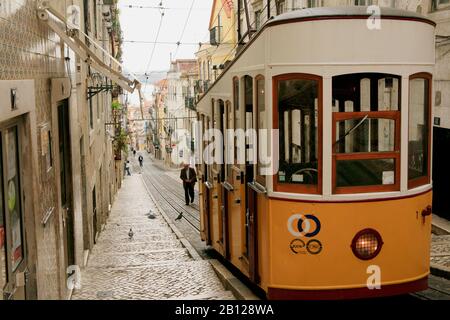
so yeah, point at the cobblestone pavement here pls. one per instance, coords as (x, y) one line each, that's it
(440, 250)
(153, 265)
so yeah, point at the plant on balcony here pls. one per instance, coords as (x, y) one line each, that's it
(116, 106)
(120, 144)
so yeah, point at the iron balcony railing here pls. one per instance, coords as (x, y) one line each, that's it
(190, 103)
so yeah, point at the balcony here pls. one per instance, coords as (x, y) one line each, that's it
(190, 103)
(201, 86)
(214, 36)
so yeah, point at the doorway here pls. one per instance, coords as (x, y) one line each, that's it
(94, 215)
(65, 174)
(13, 256)
(441, 172)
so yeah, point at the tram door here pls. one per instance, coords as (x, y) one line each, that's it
(250, 194)
(224, 237)
(206, 192)
(206, 196)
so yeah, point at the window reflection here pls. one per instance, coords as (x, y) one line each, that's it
(366, 172)
(298, 124)
(418, 128)
(366, 119)
(358, 137)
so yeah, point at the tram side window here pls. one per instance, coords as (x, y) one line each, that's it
(261, 127)
(228, 145)
(249, 139)
(219, 123)
(208, 160)
(236, 115)
(366, 138)
(419, 131)
(298, 118)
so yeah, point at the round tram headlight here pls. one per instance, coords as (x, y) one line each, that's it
(367, 244)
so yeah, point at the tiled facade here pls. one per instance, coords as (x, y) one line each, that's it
(31, 50)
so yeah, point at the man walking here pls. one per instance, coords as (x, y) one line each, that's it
(141, 163)
(127, 167)
(189, 177)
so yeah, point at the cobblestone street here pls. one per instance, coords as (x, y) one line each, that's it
(440, 251)
(153, 265)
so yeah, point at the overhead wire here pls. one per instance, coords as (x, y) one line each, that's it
(154, 47)
(184, 28)
(157, 7)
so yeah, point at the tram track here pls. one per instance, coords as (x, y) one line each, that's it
(163, 187)
(177, 191)
(438, 289)
(162, 194)
(171, 192)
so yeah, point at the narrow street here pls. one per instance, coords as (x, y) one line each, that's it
(153, 264)
(312, 138)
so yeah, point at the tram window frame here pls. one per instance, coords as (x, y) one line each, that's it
(236, 116)
(209, 123)
(248, 124)
(261, 179)
(229, 114)
(424, 179)
(293, 187)
(219, 124)
(395, 115)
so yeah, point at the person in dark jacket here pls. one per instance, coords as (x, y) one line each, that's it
(189, 177)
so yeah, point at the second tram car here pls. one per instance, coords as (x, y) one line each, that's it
(347, 213)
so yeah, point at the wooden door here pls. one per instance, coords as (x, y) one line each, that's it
(252, 236)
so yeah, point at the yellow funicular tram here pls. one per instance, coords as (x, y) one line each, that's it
(350, 201)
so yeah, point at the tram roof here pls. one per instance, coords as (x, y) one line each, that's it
(347, 12)
(328, 13)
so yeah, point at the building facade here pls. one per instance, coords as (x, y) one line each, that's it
(158, 113)
(180, 112)
(213, 56)
(58, 170)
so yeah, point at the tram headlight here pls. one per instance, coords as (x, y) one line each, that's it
(367, 244)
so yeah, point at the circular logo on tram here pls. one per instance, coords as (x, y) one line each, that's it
(298, 246)
(314, 246)
(303, 225)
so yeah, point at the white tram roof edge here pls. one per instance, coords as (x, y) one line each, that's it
(320, 13)
(350, 11)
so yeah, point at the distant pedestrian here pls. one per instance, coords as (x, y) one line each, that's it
(134, 153)
(189, 177)
(127, 168)
(141, 160)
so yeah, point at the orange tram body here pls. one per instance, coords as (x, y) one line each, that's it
(347, 211)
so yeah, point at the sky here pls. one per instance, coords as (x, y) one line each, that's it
(142, 24)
